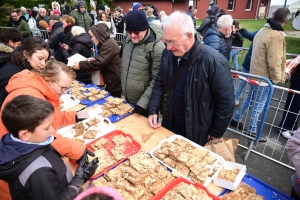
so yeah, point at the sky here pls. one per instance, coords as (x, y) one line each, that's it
(281, 2)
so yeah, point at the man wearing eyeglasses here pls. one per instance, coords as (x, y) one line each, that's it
(141, 54)
(200, 104)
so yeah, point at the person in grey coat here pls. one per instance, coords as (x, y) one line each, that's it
(141, 54)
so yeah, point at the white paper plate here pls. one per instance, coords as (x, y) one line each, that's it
(218, 157)
(103, 127)
(69, 101)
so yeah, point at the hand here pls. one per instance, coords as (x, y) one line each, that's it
(214, 140)
(85, 172)
(64, 46)
(291, 63)
(85, 156)
(152, 119)
(76, 66)
(91, 58)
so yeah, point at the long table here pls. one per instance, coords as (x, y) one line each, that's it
(135, 125)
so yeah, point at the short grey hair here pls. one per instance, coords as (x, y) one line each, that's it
(224, 21)
(181, 19)
(42, 9)
(77, 30)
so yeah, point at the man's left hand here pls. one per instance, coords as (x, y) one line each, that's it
(214, 140)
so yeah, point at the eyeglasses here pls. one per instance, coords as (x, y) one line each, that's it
(134, 32)
(173, 42)
(140, 9)
(63, 89)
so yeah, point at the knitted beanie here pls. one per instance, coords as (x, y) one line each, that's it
(101, 7)
(209, 12)
(136, 20)
(137, 6)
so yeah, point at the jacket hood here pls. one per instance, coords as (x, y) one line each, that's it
(56, 25)
(5, 51)
(30, 81)
(11, 150)
(83, 39)
(101, 32)
(213, 31)
(15, 157)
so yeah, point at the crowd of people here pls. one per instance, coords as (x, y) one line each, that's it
(162, 66)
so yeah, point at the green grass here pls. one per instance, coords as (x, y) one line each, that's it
(293, 43)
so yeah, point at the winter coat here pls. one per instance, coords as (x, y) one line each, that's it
(82, 45)
(269, 54)
(34, 171)
(82, 19)
(108, 60)
(57, 37)
(217, 40)
(206, 24)
(250, 36)
(293, 150)
(67, 31)
(120, 23)
(29, 83)
(7, 69)
(237, 39)
(23, 27)
(137, 74)
(206, 112)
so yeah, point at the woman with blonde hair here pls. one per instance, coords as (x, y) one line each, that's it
(68, 23)
(47, 83)
(82, 44)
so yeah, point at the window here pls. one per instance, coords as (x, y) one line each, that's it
(249, 5)
(230, 5)
(263, 3)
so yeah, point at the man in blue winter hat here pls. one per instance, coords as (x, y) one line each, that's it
(137, 6)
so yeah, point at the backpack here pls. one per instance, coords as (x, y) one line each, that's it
(149, 55)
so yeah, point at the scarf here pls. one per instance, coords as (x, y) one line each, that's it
(17, 22)
(47, 142)
(274, 25)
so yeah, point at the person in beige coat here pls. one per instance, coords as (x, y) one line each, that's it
(268, 60)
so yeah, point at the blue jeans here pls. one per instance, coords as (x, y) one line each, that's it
(234, 55)
(241, 86)
(256, 98)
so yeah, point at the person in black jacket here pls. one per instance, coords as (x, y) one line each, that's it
(207, 23)
(30, 165)
(200, 105)
(32, 53)
(290, 118)
(57, 38)
(82, 44)
(237, 41)
(68, 23)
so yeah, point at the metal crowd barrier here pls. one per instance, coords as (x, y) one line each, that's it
(34, 32)
(256, 95)
(269, 120)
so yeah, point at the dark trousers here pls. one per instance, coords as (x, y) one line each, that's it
(294, 195)
(289, 120)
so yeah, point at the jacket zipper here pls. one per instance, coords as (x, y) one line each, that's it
(126, 97)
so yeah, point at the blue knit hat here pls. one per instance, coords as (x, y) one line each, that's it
(137, 6)
(136, 20)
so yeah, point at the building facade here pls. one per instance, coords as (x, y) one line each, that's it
(239, 9)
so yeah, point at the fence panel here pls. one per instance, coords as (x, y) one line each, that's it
(34, 32)
(280, 111)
